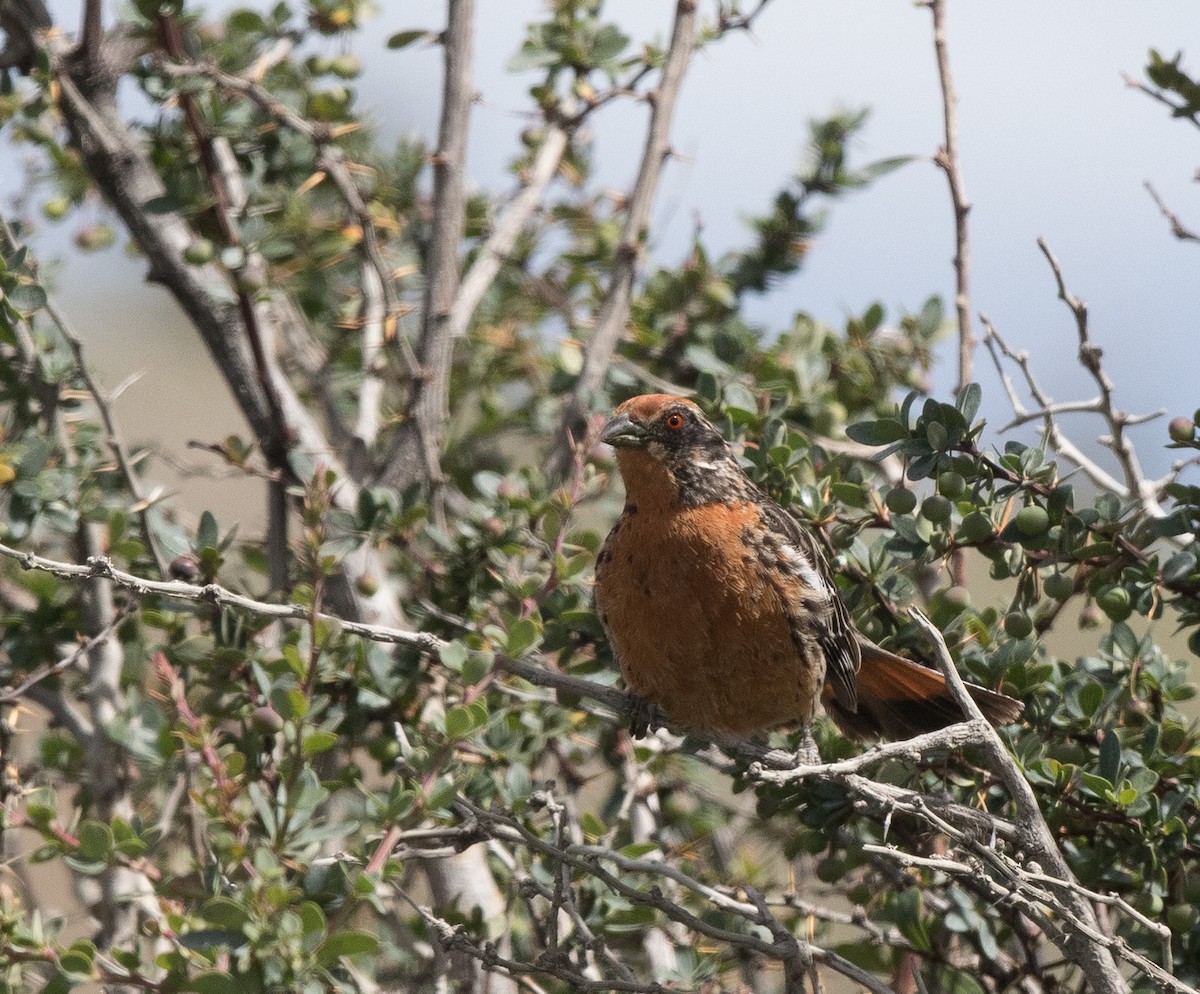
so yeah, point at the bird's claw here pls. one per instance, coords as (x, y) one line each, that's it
(808, 754)
(644, 716)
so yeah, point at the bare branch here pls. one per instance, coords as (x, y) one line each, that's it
(1037, 841)
(947, 159)
(1090, 355)
(997, 346)
(1177, 109)
(100, 566)
(1184, 234)
(416, 455)
(614, 310)
(509, 225)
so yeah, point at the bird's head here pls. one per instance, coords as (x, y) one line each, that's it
(668, 451)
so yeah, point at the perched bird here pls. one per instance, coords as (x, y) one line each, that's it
(722, 611)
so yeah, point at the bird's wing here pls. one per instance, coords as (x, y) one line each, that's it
(820, 613)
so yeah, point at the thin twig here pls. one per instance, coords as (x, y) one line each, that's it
(416, 457)
(1039, 844)
(1090, 355)
(1178, 229)
(212, 593)
(1178, 109)
(508, 227)
(64, 664)
(947, 159)
(614, 310)
(104, 407)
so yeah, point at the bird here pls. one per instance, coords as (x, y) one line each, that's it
(722, 610)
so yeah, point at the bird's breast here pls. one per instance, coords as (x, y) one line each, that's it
(698, 623)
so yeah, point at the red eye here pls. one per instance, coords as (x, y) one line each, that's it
(674, 421)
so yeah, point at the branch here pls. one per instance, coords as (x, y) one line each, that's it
(614, 311)
(103, 405)
(120, 167)
(1177, 109)
(1037, 841)
(1177, 227)
(381, 309)
(947, 160)
(1054, 435)
(213, 593)
(506, 230)
(416, 456)
(67, 662)
(1090, 355)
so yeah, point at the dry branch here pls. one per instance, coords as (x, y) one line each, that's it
(416, 455)
(614, 310)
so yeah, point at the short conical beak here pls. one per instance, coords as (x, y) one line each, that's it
(623, 432)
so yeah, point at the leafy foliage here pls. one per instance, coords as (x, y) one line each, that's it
(278, 789)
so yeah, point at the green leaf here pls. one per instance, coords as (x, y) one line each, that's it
(881, 432)
(1090, 696)
(522, 635)
(348, 942)
(459, 723)
(207, 536)
(312, 919)
(608, 44)
(636, 850)
(27, 297)
(402, 39)
(214, 983)
(289, 702)
(592, 826)
(75, 964)
(1179, 567)
(453, 656)
(318, 742)
(95, 841)
(225, 912)
(968, 401)
(1110, 756)
(531, 56)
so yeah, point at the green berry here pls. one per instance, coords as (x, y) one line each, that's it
(901, 500)
(199, 252)
(1018, 625)
(56, 207)
(936, 509)
(1114, 601)
(95, 237)
(1059, 586)
(958, 598)
(1182, 917)
(267, 720)
(1033, 521)
(951, 484)
(976, 527)
(1181, 429)
(345, 66)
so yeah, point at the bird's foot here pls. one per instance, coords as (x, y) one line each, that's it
(808, 754)
(644, 716)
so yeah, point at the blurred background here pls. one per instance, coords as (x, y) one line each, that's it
(1053, 143)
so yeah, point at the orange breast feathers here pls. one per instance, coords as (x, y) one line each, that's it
(699, 626)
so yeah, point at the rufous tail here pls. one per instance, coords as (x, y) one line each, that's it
(898, 699)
